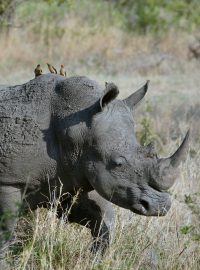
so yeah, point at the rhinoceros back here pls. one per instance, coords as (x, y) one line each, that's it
(24, 114)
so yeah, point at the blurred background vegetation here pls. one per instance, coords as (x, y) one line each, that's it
(102, 35)
(141, 16)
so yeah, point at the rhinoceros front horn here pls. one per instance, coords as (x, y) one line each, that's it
(167, 165)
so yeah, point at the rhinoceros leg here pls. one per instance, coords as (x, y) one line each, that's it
(10, 200)
(94, 212)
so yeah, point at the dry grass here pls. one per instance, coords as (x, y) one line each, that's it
(170, 242)
(107, 50)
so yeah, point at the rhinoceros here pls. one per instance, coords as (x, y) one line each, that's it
(73, 133)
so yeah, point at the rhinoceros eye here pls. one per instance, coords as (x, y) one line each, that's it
(118, 161)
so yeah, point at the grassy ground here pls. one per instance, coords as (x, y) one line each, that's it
(169, 109)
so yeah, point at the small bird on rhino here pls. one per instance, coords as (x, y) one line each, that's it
(51, 68)
(62, 71)
(38, 71)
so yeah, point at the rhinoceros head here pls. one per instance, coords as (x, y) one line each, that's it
(118, 168)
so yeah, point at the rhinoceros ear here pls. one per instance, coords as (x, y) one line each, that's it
(133, 99)
(110, 93)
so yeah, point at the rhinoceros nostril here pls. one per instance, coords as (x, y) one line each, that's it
(145, 204)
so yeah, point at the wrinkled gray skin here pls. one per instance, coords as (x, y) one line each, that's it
(72, 131)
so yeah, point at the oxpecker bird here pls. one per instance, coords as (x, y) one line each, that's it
(38, 71)
(62, 71)
(51, 68)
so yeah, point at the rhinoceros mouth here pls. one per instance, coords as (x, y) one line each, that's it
(144, 210)
(139, 209)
